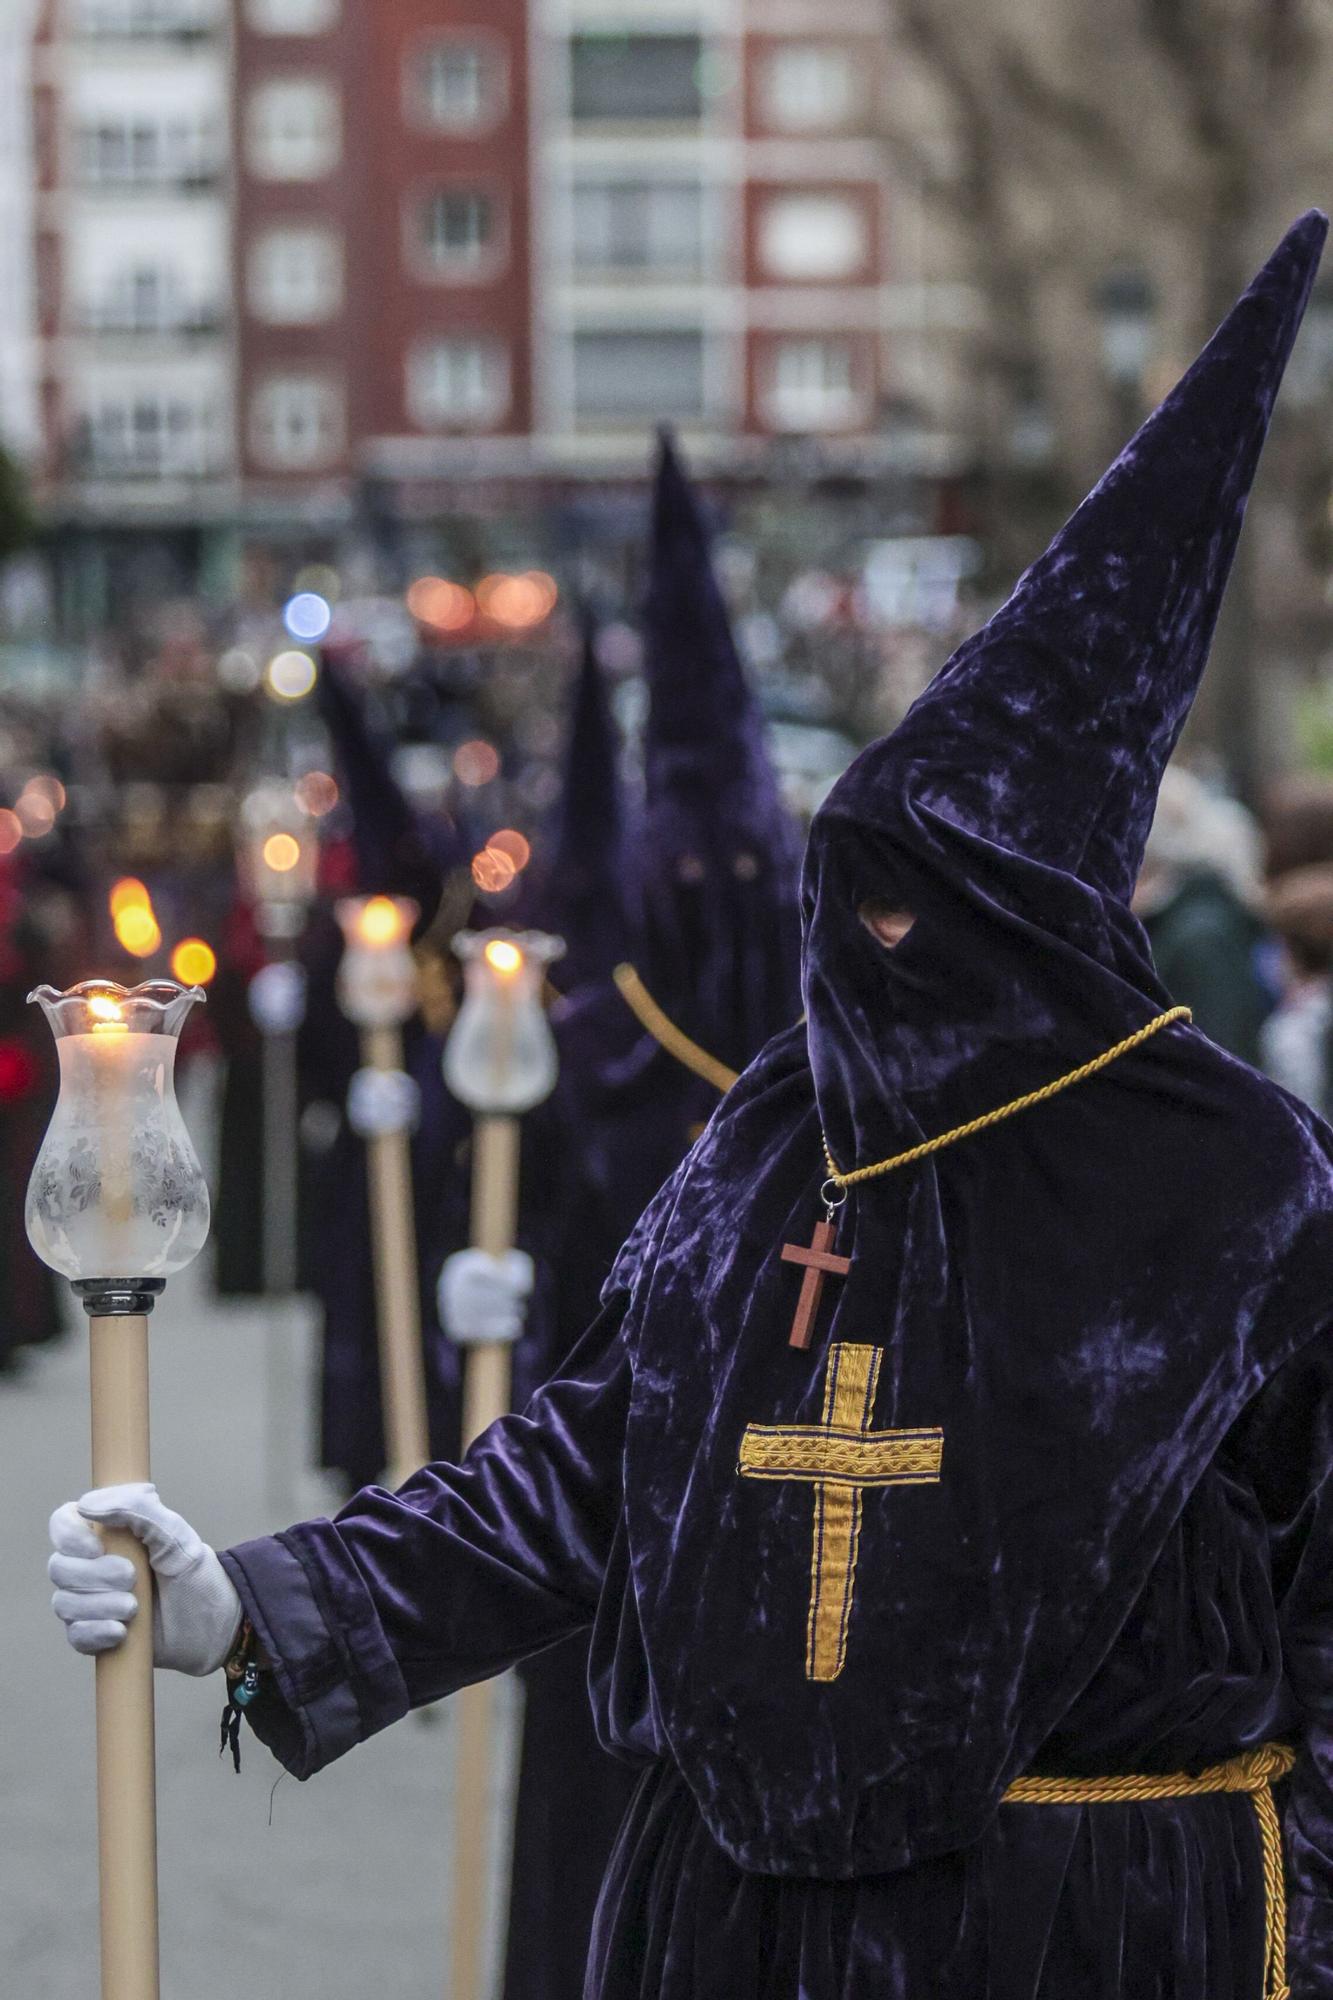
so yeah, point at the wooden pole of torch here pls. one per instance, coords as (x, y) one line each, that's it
(486, 1396)
(126, 1787)
(397, 1292)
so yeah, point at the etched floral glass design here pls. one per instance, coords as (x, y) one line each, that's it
(117, 1191)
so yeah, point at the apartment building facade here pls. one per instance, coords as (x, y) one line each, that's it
(287, 248)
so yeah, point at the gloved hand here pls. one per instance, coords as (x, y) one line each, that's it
(482, 1298)
(196, 1611)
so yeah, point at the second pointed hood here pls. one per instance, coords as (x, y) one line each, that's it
(713, 868)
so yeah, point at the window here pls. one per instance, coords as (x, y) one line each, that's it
(822, 237)
(459, 230)
(457, 380)
(635, 77)
(294, 276)
(809, 87)
(297, 423)
(147, 153)
(456, 86)
(811, 386)
(291, 17)
(148, 435)
(637, 375)
(148, 298)
(165, 18)
(293, 130)
(638, 226)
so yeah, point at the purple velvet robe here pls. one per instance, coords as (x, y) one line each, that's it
(1115, 1306)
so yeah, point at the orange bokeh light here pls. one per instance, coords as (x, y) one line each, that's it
(11, 831)
(317, 793)
(511, 843)
(503, 957)
(193, 962)
(492, 871)
(137, 931)
(282, 851)
(128, 894)
(445, 606)
(476, 763)
(518, 602)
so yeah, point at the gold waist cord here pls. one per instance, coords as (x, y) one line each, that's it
(1255, 1773)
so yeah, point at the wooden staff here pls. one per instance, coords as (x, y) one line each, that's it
(126, 1791)
(397, 1296)
(498, 1071)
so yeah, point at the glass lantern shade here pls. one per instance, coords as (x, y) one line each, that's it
(117, 1191)
(279, 848)
(500, 1058)
(377, 978)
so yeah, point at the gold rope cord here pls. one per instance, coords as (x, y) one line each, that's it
(667, 1035)
(1024, 1103)
(1255, 1773)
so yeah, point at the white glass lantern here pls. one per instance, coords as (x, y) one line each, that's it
(377, 979)
(117, 1192)
(279, 856)
(500, 1058)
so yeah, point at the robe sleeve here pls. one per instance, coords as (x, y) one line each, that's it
(1286, 1448)
(406, 1596)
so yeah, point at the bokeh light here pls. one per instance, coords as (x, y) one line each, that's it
(36, 814)
(282, 851)
(137, 931)
(445, 606)
(492, 871)
(45, 786)
(307, 615)
(476, 763)
(128, 893)
(290, 676)
(193, 962)
(511, 843)
(503, 957)
(518, 602)
(316, 793)
(11, 830)
(382, 922)
(239, 672)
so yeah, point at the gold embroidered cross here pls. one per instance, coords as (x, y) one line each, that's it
(840, 1457)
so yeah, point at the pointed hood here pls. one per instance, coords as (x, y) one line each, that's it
(580, 890)
(398, 851)
(1011, 807)
(1075, 1304)
(714, 865)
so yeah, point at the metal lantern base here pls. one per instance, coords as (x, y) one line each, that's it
(115, 1298)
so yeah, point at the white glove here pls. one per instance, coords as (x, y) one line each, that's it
(381, 1102)
(277, 997)
(196, 1611)
(482, 1298)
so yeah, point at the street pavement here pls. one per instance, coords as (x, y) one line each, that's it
(332, 1890)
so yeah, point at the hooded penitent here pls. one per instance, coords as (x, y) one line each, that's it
(579, 891)
(714, 862)
(1083, 1298)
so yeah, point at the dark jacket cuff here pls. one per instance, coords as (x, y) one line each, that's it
(333, 1680)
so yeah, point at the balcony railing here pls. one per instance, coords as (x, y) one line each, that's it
(184, 23)
(185, 323)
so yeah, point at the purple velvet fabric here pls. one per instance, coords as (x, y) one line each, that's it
(1116, 1306)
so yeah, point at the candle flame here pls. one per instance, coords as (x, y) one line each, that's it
(108, 1015)
(503, 957)
(282, 851)
(381, 922)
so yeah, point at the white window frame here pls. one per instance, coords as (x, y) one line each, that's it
(279, 17)
(775, 204)
(812, 406)
(264, 279)
(262, 421)
(494, 100)
(777, 117)
(264, 145)
(493, 401)
(473, 266)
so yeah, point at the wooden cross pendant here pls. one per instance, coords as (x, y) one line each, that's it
(820, 1262)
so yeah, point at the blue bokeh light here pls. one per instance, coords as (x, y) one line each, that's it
(307, 615)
